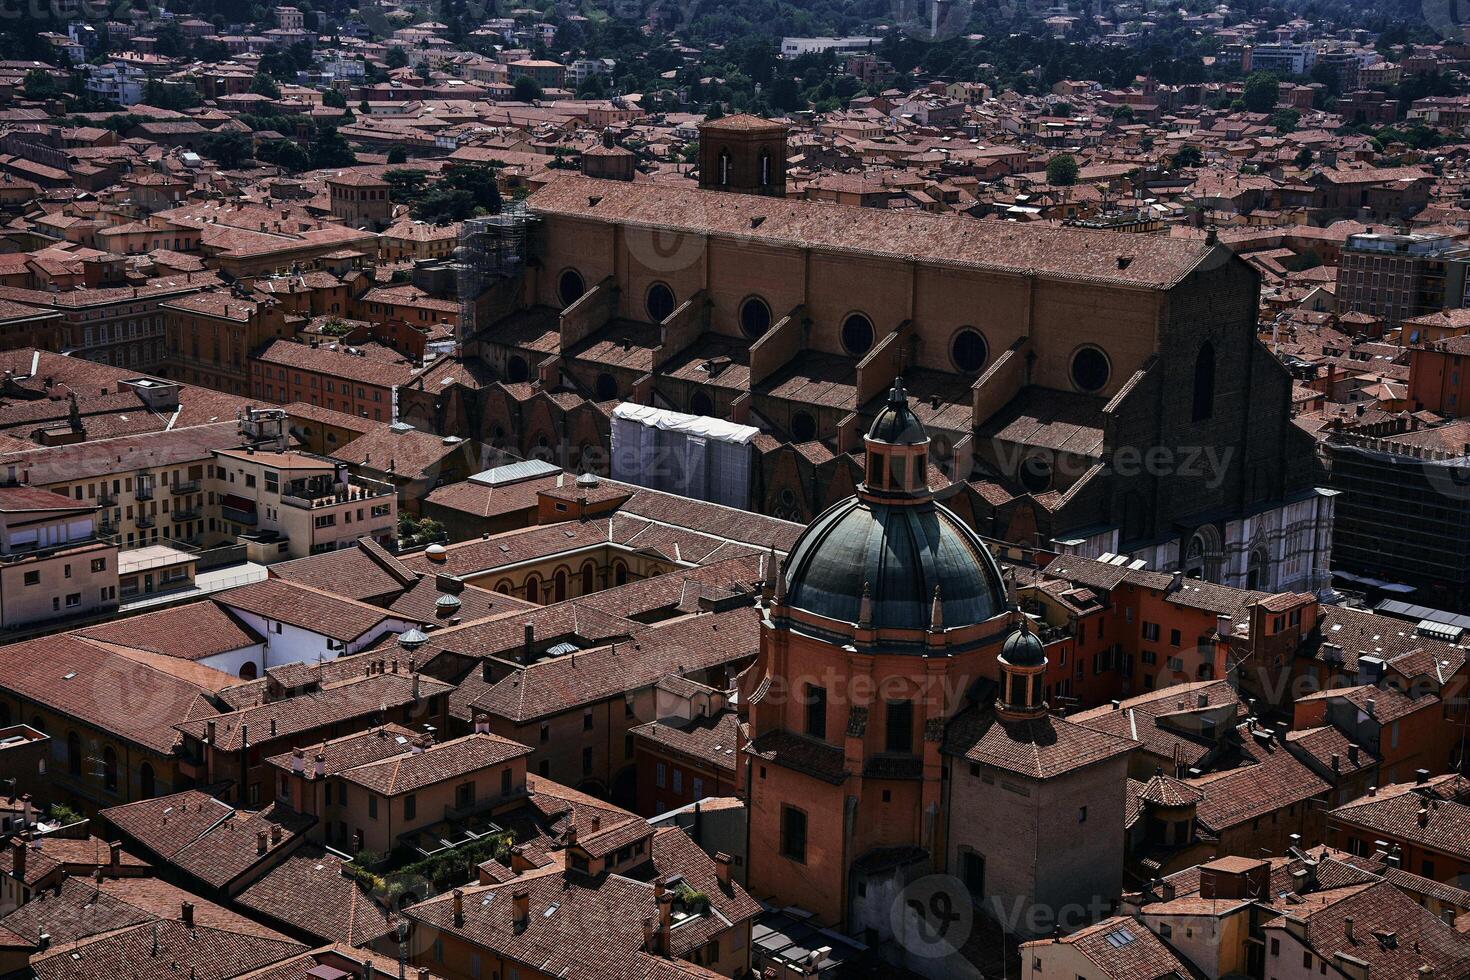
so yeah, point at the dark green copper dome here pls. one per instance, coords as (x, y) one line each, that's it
(1023, 648)
(899, 552)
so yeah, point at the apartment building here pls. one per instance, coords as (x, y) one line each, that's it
(211, 335)
(1399, 277)
(330, 377)
(387, 788)
(287, 504)
(145, 489)
(52, 562)
(118, 325)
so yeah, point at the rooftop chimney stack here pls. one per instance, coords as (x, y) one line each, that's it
(262, 842)
(458, 907)
(520, 903)
(186, 915)
(722, 869)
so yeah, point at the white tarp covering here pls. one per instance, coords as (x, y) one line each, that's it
(691, 455)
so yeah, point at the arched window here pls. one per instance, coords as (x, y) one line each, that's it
(589, 579)
(109, 769)
(147, 784)
(700, 403)
(533, 589)
(607, 387)
(660, 302)
(765, 168)
(1204, 383)
(516, 369)
(503, 587)
(620, 573)
(73, 754)
(857, 334)
(248, 671)
(724, 168)
(560, 585)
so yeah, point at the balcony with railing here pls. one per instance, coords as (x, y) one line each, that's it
(180, 487)
(317, 492)
(145, 491)
(146, 520)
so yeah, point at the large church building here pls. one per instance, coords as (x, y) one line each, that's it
(1085, 391)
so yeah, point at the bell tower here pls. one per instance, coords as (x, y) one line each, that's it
(744, 154)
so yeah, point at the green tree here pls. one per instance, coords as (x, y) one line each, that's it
(229, 150)
(396, 58)
(397, 154)
(405, 185)
(329, 148)
(1284, 120)
(1261, 91)
(286, 154)
(263, 84)
(1061, 170)
(41, 84)
(526, 89)
(334, 98)
(1187, 156)
(463, 190)
(591, 87)
(1303, 158)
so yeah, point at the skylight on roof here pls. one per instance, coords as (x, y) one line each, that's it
(1119, 938)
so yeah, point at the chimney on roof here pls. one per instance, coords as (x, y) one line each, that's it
(530, 642)
(665, 921)
(18, 858)
(571, 833)
(275, 833)
(1424, 816)
(262, 842)
(458, 898)
(298, 761)
(186, 915)
(209, 730)
(321, 765)
(487, 671)
(1336, 762)
(722, 869)
(415, 687)
(1224, 625)
(1353, 753)
(1347, 928)
(1421, 776)
(482, 723)
(650, 934)
(245, 736)
(520, 904)
(1371, 707)
(114, 856)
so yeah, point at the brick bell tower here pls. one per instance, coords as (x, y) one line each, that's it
(743, 153)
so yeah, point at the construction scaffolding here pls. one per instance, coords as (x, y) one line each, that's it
(491, 252)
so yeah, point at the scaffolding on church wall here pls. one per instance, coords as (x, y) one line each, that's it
(491, 250)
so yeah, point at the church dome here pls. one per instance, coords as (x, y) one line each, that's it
(899, 553)
(896, 424)
(1023, 648)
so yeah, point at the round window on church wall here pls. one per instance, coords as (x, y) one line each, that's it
(755, 317)
(1090, 369)
(660, 302)
(857, 334)
(570, 287)
(969, 351)
(803, 427)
